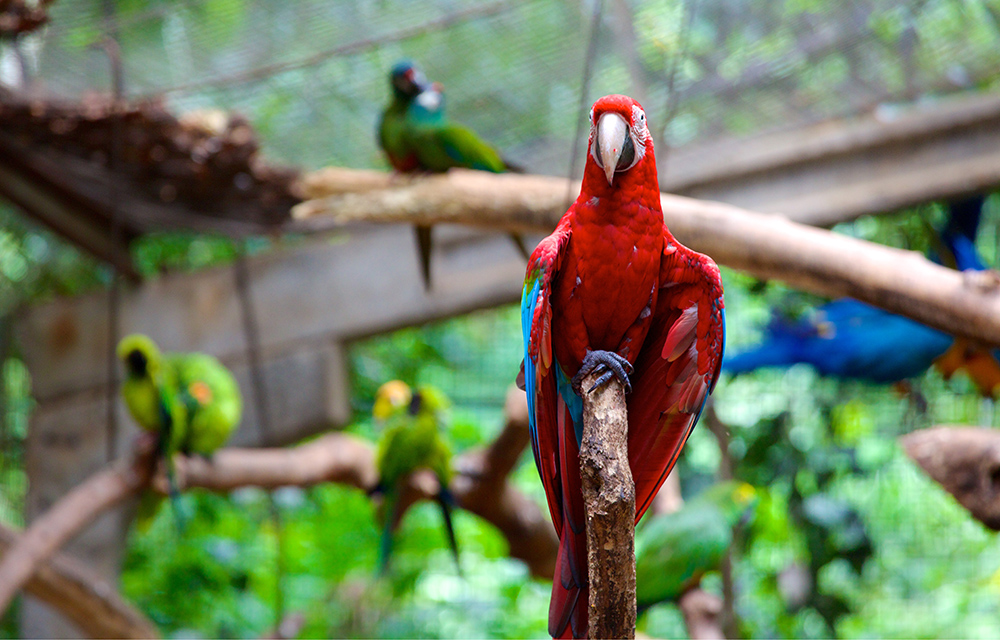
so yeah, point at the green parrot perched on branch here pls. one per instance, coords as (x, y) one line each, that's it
(416, 136)
(673, 551)
(190, 400)
(412, 440)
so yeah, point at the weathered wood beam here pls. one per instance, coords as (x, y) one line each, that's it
(767, 246)
(321, 292)
(837, 170)
(91, 602)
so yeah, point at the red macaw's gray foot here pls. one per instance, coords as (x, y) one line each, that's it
(607, 363)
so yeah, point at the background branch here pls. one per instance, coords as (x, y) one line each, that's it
(481, 487)
(966, 462)
(768, 246)
(69, 515)
(81, 595)
(609, 501)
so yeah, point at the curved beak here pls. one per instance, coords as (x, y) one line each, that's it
(611, 132)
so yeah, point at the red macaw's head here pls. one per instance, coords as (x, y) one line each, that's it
(620, 146)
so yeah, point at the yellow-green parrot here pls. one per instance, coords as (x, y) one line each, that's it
(189, 399)
(412, 439)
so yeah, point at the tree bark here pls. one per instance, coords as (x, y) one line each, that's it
(81, 595)
(768, 246)
(68, 516)
(966, 462)
(609, 500)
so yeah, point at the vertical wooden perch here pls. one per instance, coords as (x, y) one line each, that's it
(609, 499)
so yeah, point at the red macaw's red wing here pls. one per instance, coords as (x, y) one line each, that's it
(676, 369)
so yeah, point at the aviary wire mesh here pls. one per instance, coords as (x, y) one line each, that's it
(312, 75)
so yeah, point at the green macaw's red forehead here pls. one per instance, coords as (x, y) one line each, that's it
(616, 103)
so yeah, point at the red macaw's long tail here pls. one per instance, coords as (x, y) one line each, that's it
(570, 593)
(570, 590)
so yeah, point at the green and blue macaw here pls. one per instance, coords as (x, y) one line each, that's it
(189, 400)
(412, 439)
(416, 136)
(673, 551)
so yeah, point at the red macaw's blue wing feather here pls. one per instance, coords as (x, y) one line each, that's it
(553, 437)
(676, 369)
(539, 370)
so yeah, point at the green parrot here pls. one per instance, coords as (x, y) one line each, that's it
(673, 551)
(407, 83)
(411, 440)
(189, 399)
(415, 136)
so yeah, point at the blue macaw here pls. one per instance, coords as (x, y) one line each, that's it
(847, 338)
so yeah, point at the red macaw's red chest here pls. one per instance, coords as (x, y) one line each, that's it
(607, 280)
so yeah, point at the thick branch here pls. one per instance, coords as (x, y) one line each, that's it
(966, 462)
(609, 500)
(82, 596)
(68, 516)
(768, 246)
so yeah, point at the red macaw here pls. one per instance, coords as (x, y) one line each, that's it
(612, 291)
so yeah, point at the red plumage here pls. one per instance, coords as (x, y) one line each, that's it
(612, 278)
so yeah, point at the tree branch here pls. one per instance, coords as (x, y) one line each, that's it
(768, 246)
(481, 487)
(69, 515)
(609, 499)
(81, 595)
(966, 462)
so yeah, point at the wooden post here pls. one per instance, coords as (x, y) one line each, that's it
(609, 500)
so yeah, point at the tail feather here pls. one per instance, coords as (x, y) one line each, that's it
(444, 500)
(424, 247)
(568, 606)
(180, 518)
(392, 504)
(568, 613)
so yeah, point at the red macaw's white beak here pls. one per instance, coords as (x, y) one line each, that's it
(611, 133)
